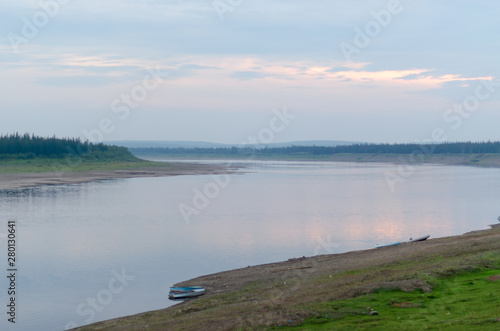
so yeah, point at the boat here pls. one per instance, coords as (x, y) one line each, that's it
(419, 239)
(387, 245)
(403, 242)
(185, 289)
(185, 292)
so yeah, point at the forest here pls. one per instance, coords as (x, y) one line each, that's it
(26, 146)
(362, 148)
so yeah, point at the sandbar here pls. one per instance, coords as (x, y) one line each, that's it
(23, 180)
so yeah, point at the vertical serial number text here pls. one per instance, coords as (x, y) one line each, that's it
(11, 271)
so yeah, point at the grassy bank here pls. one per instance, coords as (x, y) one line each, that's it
(53, 171)
(467, 299)
(443, 284)
(40, 165)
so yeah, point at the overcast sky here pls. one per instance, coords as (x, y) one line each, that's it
(227, 70)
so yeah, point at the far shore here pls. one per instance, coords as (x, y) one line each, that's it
(31, 179)
(477, 160)
(27, 178)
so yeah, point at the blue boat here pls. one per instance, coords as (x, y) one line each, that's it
(402, 242)
(387, 245)
(185, 292)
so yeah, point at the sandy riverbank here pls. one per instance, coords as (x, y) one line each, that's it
(285, 293)
(20, 180)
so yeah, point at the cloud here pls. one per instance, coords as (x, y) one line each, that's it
(248, 75)
(76, 80)
(412, 76)
(264, 53)
(338, 69)
(193, 66)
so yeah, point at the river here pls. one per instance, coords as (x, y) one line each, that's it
(95, 251)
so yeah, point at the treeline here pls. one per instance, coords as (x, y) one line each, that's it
(364, 148)
(16, 146)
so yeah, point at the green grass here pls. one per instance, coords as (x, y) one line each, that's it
(40, 165)
(463, 301)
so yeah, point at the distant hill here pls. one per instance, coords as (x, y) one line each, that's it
(204, 144)
(314, 149)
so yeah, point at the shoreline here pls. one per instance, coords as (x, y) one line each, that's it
(34, 179)
(281, 293)
(13, 180)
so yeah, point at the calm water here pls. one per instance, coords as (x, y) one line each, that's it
(100, 250)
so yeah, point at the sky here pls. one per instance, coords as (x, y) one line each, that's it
(237, 71)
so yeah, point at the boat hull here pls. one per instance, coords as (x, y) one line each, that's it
(388, 245)
(419, 239)
(404, 242)
(185, 289)
(185, 292)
